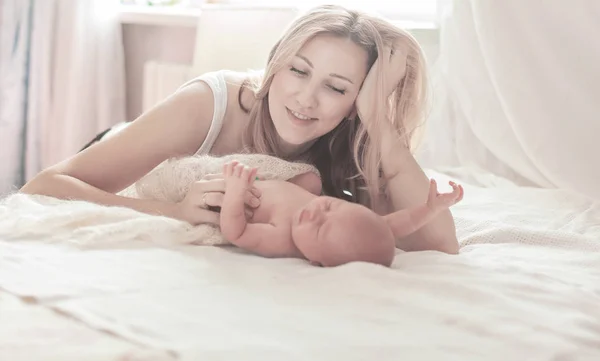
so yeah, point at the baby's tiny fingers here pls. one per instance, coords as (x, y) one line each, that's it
(245, 172)
(252, 175)
(461, 194)
(230, 167)
(237, 171)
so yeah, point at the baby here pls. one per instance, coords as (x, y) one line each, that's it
(293, 220)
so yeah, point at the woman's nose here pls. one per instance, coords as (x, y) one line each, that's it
(306, 97)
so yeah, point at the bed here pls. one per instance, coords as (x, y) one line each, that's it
(525, 285)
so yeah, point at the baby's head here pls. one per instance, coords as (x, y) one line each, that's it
(332, 232)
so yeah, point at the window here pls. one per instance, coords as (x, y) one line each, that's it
(397, 10)
(412, 10)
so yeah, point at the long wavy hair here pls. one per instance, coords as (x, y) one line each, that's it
(349, 156)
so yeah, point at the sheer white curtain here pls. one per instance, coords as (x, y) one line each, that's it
(14, 45)
(77, 77)
(69, 77)
(517, 89)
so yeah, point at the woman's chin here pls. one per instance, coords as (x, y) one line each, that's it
(293, 136)
(293, 142)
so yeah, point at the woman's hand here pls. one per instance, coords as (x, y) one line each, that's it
(393, 63)
(207, 194)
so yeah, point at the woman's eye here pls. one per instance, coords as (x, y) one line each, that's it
(303, 73)
(341, 91)
(297, 71)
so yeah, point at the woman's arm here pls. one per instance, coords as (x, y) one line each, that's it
(407, 187)
(407, 184)
(175, 127)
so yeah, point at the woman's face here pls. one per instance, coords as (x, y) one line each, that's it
(313, 93)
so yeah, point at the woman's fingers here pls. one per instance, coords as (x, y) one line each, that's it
(394, 66)
(397, 62)
(210, 192)
(251, 200)
(216, 182)
(206, 216)
(215, 199)
(212, 176)
(205, 186)
(211, 199)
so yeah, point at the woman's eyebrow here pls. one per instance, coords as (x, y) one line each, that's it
(331, 74)
(341, 77)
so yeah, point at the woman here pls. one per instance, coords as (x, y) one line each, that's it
(342, 90)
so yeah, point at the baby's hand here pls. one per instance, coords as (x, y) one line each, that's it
(238, 177)
(440, 201)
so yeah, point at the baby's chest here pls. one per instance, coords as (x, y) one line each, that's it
(275, 204)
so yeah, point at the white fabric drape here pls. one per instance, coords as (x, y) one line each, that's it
(78, 75)
(14, 49)
(517, 85)
(75, 81)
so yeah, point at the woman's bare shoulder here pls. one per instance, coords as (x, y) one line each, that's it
(235, 80)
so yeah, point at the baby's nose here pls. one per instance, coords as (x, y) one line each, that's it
(306, 215)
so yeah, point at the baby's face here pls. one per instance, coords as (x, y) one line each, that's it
(330, 231)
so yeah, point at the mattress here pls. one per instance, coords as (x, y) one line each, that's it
(526, 285)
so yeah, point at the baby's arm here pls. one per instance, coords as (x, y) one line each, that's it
(407, 221)
(264, 239)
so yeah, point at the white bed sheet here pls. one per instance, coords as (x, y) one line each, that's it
(526, 285)
(29, 331)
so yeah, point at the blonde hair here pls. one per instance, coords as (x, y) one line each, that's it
(347, 157)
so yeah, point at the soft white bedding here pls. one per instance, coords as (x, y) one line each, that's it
(32, 332)
(526, 286)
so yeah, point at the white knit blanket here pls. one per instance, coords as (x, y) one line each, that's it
(88, 225)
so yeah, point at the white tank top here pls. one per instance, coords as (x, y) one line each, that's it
(216, 82)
